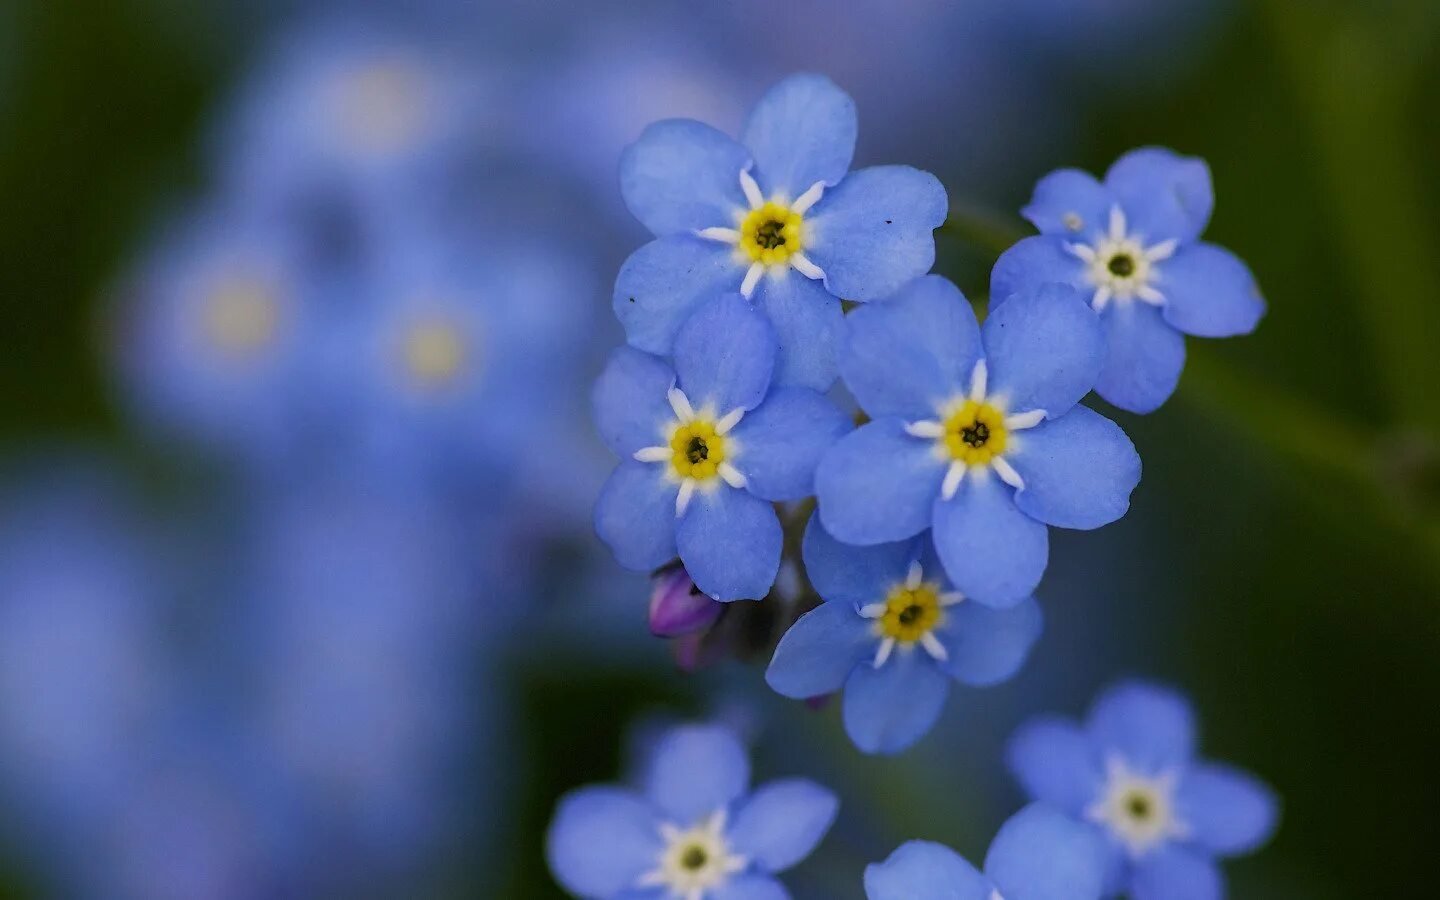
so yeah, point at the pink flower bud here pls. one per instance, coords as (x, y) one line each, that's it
(678, 607)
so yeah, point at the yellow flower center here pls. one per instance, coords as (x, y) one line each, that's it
(697, 450)
(434, 353)
(975, 433)
(911, 613)
(771, 234)
(242, 316)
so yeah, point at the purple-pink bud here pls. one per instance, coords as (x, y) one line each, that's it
(678, 607)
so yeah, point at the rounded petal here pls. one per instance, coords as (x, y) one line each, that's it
(1164, 195)
(730, 542)
(820, 651)
(1151, 727)
(854, 575)
(1079, 470)
(1209, 292)
(873, 232)
(1032, 262)
(1229, 811)
(987, 646)
(1044, 348)
(890, 708)
(749, 887)
(802, 131)
(782, 822)
(629, 402)
(1043, 854)
(601, 841)
(1056, 763)
(923, 870)
(807, 321)
(635, 515)
(683, 175)
(781, 442)
(907, 354)
(696, 770)
(724, 355)
(1070, 203)
(993, 552)
(1174, 872)
(665, 281)
(1143, 357)
(877, 484)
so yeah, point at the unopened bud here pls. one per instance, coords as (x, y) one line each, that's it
(678, 607)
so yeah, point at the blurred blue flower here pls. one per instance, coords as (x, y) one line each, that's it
(775, 216)
(1132, 245)
(693, 832)
(976, 432)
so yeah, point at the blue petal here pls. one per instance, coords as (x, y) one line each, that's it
(1056, 763)
(730, 542)
(1040, 259)
(781, 441)
(1151, 727)
(1078, 469)
(808, 323)
(1209, 292)
(781, 822)
(1164, 195)
(1042, 854)
(820, 651)
(890, 708)
(1044, 348)
(988, 646)
(802, 131)
(1070, 203)
(877, 484)
(922, 870)
(665, 281)
(993, 552)
(1229, 811)
(906, 355)
(683, 175)
(696, 770)
(855, 575)
(749, 887)
(1143, 357)
(601, 841)
(635, 515)
(873, 232)
(1173, 872)
(631, 410)
(724, 355)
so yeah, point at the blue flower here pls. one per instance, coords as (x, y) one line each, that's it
(706, 448)
(692, 832)
(893, 632)
(1132, 245)
(1038, 854)
(774, 216)
(1130, 772)
(976, 432)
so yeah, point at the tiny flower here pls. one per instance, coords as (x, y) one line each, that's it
(892, 632)
(975, 432)
(706, 449)
(1132, 245)
(775, 217)
(1038, 854)
(678, 607)
(693, 831)
(1130, 772)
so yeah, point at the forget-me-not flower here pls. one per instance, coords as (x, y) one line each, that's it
(692, 832)
(774, 216)
(893, 632)
(1132, 245)
(975, 432)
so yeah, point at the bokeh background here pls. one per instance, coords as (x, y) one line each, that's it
(301, 301)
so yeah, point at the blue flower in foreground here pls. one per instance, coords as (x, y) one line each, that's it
(1130, 770)
(893, 632)
(1039, 854)
(1132, 244)
(692, 832)
(976, 432)
(775, 217)
(706, 448)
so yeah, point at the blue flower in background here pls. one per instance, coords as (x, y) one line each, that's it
(774, 216)
(893, 633)
(976, 432)
(1130, 772)
(1132, 245)
(706, 448)
(693, 832)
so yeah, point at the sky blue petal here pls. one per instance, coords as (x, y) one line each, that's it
(873, 232)
(665, 281)
(781, 822)
(890, 708)
(1164, 195)
(1043, 854)
(808, 322)
(1151, 727)
(683, 175)
(730, 542)
(1070, 203)
(1031, 262)
(1174, 872)
(855, 575)
(923, 870)
(1209, 292)
(629, 401)
(877, 484)
(724, 355)
(988, 646)
(781, 442)
(1044, 348)
(695, 770)
(1143, 357)
(993, 552)
(635, 515)
(1078, 469)
(820, 650)
(905, 355)
(750, 886)
(802, 131)
(601, 841)
(1056, 763)
(1229, 811)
